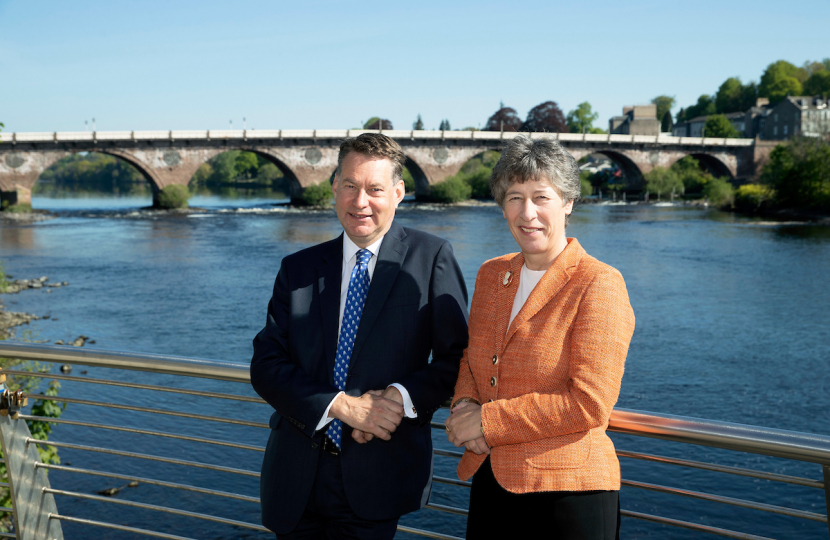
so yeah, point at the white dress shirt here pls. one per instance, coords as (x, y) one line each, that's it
(350, 250)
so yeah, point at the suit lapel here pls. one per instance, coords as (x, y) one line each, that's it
(551, 283)
(390, 258)
(329, 276)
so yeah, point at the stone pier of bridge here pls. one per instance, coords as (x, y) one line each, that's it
(309, 157)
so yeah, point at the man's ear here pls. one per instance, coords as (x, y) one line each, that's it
(400, 191)
(334, 185)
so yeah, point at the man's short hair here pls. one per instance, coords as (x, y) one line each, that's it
(375, 145)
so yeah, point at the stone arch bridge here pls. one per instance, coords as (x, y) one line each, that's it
(309, 157)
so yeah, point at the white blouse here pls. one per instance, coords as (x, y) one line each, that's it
(527, 282)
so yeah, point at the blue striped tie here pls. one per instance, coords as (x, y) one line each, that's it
(355, 298)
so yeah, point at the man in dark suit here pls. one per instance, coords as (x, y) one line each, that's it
(345, 351)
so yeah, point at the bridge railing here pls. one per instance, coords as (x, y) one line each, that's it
(314, 134)
(36, 504)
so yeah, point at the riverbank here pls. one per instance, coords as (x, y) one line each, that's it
(10, 320)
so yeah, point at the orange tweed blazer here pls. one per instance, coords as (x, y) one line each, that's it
(548, 383)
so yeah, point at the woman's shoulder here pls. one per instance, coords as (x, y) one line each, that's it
(498, 264)
(592, 268)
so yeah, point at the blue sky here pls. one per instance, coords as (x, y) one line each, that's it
(306, 65)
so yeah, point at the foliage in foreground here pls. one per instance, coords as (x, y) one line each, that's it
(173, 196)
(40, 429)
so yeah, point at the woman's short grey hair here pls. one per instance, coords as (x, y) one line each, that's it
(524, 159)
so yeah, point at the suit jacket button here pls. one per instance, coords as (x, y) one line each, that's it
(492, 381)
(314, 446)
(495, 359)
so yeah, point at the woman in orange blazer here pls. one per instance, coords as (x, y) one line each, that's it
(549, 332)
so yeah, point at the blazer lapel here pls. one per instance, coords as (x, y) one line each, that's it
(506, 288)
(329, 276)
(551, 283)
(390, 258)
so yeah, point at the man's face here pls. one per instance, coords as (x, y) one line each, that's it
(365, 198)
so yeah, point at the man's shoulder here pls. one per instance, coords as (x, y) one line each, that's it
(314, 253)
(423, 239)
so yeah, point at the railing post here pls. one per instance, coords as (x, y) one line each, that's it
(826, 469)
(31, 505)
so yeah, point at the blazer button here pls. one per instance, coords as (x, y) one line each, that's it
(492, 381)
(495, 359)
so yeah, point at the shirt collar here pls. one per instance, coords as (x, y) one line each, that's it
(350, 249)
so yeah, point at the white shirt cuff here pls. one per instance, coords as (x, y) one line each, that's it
(324, 421)
(408, 406)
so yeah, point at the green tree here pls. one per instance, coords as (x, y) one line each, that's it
(418, 124)
(719, 126)
(453, 189)
(173, 196)
(245, 165)
(787, 86)
(690, 173)
(586, 189)
(408, 181)
(445, 125)
(224, 167)
(799, 172)
(719, 192)
(666, 124)
(581, 119)
(704, 107)
(780, 79)
(664, 105)
(318, 194)
(660, 180)
(818, 84)
(752, 197)
(269, 174)
(729, 97)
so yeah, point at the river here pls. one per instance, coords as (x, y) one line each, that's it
(732, 324)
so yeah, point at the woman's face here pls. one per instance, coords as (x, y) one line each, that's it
(536, 217)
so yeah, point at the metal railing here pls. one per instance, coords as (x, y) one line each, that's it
(35, 510)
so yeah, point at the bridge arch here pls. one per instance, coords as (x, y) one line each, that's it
(294, 186)
(631, 170)
(418, 175)
(713, 165)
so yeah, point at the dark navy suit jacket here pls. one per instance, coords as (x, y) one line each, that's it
(416, 306)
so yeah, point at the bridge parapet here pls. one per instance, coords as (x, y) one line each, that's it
(324, 134)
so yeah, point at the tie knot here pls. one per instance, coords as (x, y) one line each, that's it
(363, 257)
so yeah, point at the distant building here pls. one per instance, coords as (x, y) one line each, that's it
(755, 118)
(636, 120)
(694, 127)
(804, 115)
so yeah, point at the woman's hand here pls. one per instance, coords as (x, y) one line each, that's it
(477, 446)
(464, 424)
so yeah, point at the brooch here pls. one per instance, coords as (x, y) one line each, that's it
(508, 277)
